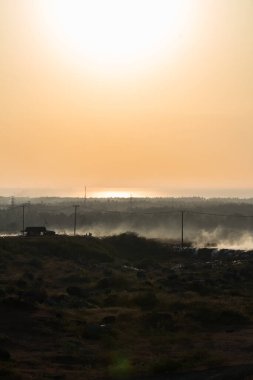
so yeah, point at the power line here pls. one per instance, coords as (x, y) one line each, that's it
(75, 208)
(222, 215)
(138, 212)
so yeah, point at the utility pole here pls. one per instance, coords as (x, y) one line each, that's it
(131, 202)
(23, 219)
(75, 207)
(85, 196)
(182, 230)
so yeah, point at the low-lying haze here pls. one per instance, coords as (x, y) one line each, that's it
(220, 222)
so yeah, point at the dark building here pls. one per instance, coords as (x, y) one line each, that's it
(37, 231)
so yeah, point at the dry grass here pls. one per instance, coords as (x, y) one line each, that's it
(183, 314)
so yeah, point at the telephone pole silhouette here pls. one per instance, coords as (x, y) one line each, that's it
(75, 214)
(182, 229)
(131, 202)
(85, 196)
(23, 219)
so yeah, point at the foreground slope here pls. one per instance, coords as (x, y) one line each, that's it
(89, 308)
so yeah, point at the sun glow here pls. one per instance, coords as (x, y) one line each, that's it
(111, 34)
(117, 193)
(111, 194)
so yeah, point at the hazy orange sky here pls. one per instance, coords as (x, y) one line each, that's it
(126, 105)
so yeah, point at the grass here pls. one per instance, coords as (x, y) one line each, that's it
(165, 311)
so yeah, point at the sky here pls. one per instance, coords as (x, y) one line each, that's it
(154, 95)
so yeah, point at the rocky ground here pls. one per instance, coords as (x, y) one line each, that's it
(123, 306)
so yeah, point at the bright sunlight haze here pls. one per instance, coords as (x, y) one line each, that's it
(148, 94)
(111, 35)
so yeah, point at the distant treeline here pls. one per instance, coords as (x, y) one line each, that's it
(152, 217)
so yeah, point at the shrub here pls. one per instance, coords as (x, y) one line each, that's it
(158, 320)
(116, 282)
(146, 301)
(211, 316)
(4, 355)
(76, 291)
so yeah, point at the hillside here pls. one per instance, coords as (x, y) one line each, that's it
(89, 308)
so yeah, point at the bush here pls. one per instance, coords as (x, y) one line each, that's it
(76, 291)
(209, 316)
(4, 355)
(146, 301)
(116, 282)
(158, 320)
(164, 365)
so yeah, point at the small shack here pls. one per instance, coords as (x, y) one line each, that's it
(38, 231)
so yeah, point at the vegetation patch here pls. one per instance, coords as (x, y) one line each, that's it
(120, 307)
